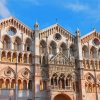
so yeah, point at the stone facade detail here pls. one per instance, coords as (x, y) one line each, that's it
(48, 64)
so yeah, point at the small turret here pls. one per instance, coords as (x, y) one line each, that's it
(78, 44)
(36, 26)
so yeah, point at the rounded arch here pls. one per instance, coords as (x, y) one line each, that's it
(6, 41)
(13, 83)
(3, 56)
(1, 83)
(62, 97)
(89, 87)
(7, 83)
(20, 84)
(20, 60)
(52, 48)
(14, 57)
(9, 56)
(30, 58)
(85, 51)
(25, 58)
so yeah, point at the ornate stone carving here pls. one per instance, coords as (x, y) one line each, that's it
(59, 59)
(7, 72)
(25, 73)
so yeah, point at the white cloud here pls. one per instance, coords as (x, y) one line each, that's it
(4, 11)
(77, 7)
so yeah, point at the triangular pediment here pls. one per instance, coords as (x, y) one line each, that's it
(56, 28)
(90, 36)
(12, 21)
(59, 59)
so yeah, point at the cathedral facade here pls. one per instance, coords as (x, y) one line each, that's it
(48, 64)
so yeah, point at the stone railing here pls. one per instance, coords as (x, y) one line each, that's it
(66, 88)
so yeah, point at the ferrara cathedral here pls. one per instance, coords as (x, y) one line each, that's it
(48, 64)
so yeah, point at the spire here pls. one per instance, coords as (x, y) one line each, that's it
(94, 29)
(77, 32)
(36, 25)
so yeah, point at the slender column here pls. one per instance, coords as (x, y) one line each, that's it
(23, 46)
(65, 83)
(4, 86)
(28, 58)
(11, 56)
(22, 59)
(10, 84)
(6, 56)
(16, 96)
(27, 84)
(0, 55)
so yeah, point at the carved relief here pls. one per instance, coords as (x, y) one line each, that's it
(25, 73)
(58, 59)
(7, 72)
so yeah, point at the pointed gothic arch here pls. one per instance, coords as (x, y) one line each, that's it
(3, 56)
(72, 50)
(6, 41)
(63, 48)
(28, 44)
(42, 47)
(17, 43)
(93, 52)
(53, 48)
(85, 51)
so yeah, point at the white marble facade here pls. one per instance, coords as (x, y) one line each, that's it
(48, 64)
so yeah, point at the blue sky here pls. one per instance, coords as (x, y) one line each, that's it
(71, 14)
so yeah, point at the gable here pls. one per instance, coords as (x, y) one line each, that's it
(90, 36)
(11, 21)
(56, 28)
(61, 59)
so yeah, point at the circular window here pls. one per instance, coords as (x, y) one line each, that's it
(25, 73)
(57, 36)
(96, 42)
(12, 31)
(7, 72)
